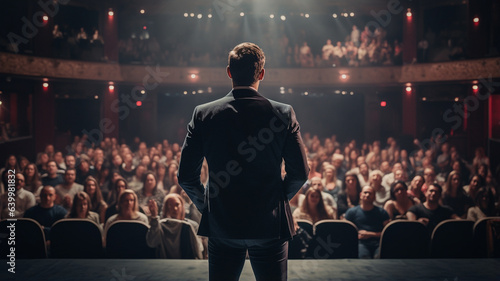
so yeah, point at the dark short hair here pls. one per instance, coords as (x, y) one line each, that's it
(246, 61)
(435, 184)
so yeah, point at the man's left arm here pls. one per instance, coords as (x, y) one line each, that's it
(191, 162)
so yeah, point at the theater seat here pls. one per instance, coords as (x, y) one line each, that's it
(29, 239)
(486, 244)
(452, 239)
(127, 240)
(334, 239)
(76, 238)
(403, 239)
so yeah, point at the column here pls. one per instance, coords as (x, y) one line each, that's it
(44, 115)
(110, 33)
(109, 123)
(410, 34)
(409, 106)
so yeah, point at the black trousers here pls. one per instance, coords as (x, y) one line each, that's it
(226, 257)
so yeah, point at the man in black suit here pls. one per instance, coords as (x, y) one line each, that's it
(244, 138)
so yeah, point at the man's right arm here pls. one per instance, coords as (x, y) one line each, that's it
(295, 158)
(190, 164)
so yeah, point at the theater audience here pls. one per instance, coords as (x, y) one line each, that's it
(454, 195)
(150, 191)
(68, 189)
(313, 208)
(327, 198)
(484, 205)
(431, 212)
(46, 213)
(119, 186)
(476, 182)
(370, 221)
(400, 201)
(330, 182)
(81, 208)
(23, 199)
(52, 178)
(171, 238)
(91, 187)
(349, 196)
(415, 189)
(382, 192)
(128, 209)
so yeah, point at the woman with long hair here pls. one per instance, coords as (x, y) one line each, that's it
(91, 187)
(81, 208)
(349, 196)
(400, 201)
(313, 208)
(330, 182)
(150, 191)
(32, 178)
(128, 209)
(454, 195)
(476, 182)
(485, 205)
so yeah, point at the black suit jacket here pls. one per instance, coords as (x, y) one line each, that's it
(244, 138)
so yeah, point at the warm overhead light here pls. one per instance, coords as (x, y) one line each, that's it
(242, 14)
(334, 16)
(45, 85)
(456, 99)
(45, 18)
(424, 98)
(306, 93)
(111, 87)
(475, 87)
(142, 11)
(352, 14)
(191, 15)
(96, 97)
(408, 89)
(111, 13)
(209, 16)
(476, 20)
(283, 18)
(271, 16)
(193, 76)
(186, 15)
(185, 92)
(408, 13)
(199, 16)
(307, 16)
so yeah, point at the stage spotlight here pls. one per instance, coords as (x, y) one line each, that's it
(209, 16)
(111, 13)
(45, 85)
(408, 89)
(199, 16)
(45, 18)
(306, 93)
(456, 99)
(307, 16)
(271, 16)
(352, 14)
(408, 13)
(475, 87)
(191, 15)
(424, 98)
(96, 97)
(242, 14)
(283, 18)
(334, 16)
(193, 92)
(143, 92)
(186, 15)
(351, 93)
(337, 92)
(346, 15)
(0, 102)
(142, 11)
(185, 92)
(193, 76)
(111, 87)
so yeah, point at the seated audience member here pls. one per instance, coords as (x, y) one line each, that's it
(313, 208)
(167, 235)
(137, 181)
(42, 160)
(312, 169)
(119, 186)
(81, 208)
(23, 199)
(429, 178)
(161, 175)
(484, 205)
(382, 192)
(363, 174)
(150, 191)
(67, 190)
(70, 161)
(127, 168)
(349, 196)
(330, 182)
(52, 178)
(98, 205)
(400, 201)
(337, 162)
(32, 178)
(476, 182)
(388, 179)
(327, 198)
(10, 168)
(58, 157)
(84, 171)
(455, 197)
(415, 189)
(128, 209)
(431, 212)
(46, 213)
(370, 221)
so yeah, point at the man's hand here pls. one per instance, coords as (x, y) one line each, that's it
(425, 221)
(363, 234)
(153, 208)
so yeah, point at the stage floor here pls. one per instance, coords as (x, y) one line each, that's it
(310, 270)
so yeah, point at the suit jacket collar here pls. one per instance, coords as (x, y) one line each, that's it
(243, 92)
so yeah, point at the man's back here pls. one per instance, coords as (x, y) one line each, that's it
(244, 137)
